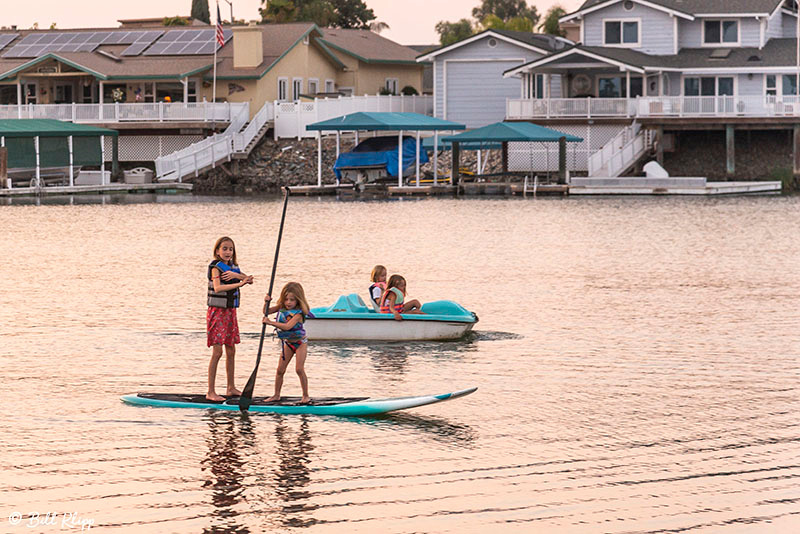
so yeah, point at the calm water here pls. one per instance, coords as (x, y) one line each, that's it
(637, 362)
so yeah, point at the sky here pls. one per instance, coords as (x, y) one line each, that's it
(410, 21)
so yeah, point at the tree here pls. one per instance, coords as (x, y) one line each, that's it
(550, 24)
(452, 32)
(352, 14)
(506, 10)
(278, 11)
(378, 27)
(177, 20)
(200, 11)
(320, 12)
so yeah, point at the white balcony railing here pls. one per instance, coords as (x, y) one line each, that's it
(655, 106)
(142, 112)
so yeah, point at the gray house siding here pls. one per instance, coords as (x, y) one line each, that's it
(656, 27)
(750, 87)
(789, 25)
(690, 33)
(775, 26)
(469, 84)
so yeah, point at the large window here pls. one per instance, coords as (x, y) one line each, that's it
(617, 87)
(534, 86)
(724, 32)
(621, 32)
(789, 85)
(708, 86)
(391, 85)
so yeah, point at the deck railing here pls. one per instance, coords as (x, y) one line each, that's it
(654, 106)
(124, 112)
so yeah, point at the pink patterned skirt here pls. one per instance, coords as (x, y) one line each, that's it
(222, 326)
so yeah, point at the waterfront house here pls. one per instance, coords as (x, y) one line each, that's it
(653, 72)
(468, 82)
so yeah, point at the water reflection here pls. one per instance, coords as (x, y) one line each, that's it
(228, 439)
(292, 474)
(438, 428)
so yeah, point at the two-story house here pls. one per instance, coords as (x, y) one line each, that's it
(663, 69)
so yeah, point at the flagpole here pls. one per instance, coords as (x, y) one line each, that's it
(214, 82)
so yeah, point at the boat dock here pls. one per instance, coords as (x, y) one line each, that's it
(667, 186)
(167, 187)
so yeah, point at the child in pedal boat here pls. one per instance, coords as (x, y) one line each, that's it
(224, 280)
(393, 300)
(378, 286)
(292, 309)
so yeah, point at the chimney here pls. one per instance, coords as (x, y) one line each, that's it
(248, 47)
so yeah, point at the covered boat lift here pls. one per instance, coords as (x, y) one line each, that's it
(504, 132)
(42, 143)
(384, 121)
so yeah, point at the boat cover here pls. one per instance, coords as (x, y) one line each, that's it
(353, 307)
(381, 152)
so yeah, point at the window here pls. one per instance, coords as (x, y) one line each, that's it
(391, 85)
(313, 86)
(191, 93)
(283, 89)
(770, 85)
(87, 94)
(297, 88)
(621, 32)
(329, 86)
(789, 84)
(534, 86)
(617, 87)
(492, 42)
(725, 32)
(627, 5)
(708, 86)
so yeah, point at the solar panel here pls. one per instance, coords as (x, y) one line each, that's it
(186, 43)
(36, 44)
(6, 38)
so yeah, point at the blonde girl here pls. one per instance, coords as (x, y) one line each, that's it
(393, 300)
(378, 286)
(292, 309)
(222, 328)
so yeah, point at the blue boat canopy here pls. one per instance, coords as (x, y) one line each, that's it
(511, 131)
(385, 121)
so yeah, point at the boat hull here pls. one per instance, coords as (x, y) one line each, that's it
(385, 330)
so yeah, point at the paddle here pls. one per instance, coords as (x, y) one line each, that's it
(247, 395)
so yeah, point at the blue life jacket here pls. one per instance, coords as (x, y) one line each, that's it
(297, 331)
(222, 299)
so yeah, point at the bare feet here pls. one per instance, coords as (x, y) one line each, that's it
(305, 400)
(233, 393)
(274, 398)
(212, 396)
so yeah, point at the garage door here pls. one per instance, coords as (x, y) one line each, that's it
(477, 91)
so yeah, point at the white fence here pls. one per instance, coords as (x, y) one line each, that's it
(619, 153)
(654, 106)
(152, 112)
(291, 118)
(207, 152)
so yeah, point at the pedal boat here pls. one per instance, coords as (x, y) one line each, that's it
(349, 318)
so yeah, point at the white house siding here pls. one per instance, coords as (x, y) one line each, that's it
(789, 25)
(470, 87)
(656, 27)
(690, 33)
(775, 26)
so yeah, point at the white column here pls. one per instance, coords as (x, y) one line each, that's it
(19, 98)
(356, 137)
(399, 158)
(185, 83)
(338, 140)
(103, 160)
(71, 159)
(319, 159)
(479, 161)
(436, 157)
(100, 100)
(38, 170)
(417, 168)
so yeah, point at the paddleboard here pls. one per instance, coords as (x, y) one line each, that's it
(347, 406)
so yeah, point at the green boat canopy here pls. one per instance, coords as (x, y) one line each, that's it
(385, 121)
(511, 131)
(49, 128)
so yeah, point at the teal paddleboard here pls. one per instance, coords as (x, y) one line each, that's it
(346, 406)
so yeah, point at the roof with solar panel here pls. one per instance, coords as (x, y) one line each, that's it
(144, 51)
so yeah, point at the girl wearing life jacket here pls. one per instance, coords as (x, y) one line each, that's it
(292, 309)
(224, 280)
(393, 300)
(378, 284)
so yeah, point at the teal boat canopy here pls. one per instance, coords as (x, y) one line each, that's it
(500, 132)
(368, 120)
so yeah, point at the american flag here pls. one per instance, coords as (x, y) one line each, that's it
(220, 33)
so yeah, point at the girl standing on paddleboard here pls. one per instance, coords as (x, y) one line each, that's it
(224, 280)
(292, 309)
